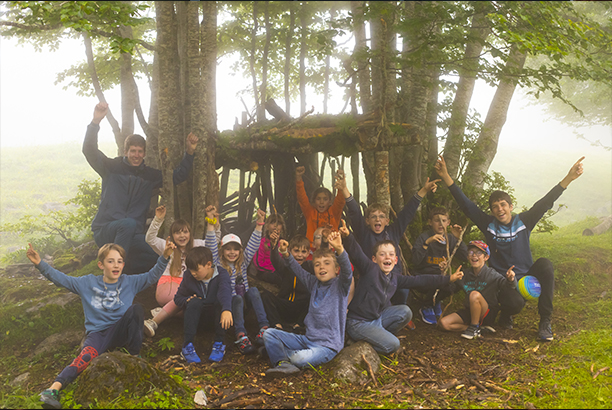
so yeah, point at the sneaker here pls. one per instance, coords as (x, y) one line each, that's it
(282, 369)
(218, 351)
(428, 315)
(438, 309)
(50, 399)
(262, 352)
(473, 331)
(545, 331)
(244, 344)
(188, 352)
(411, 325)
(505, 321)
(259, 338)
(155, 311)
(150, 326)
(487, 329)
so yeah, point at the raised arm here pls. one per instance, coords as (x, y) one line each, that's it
(144, 280)
(255, 239)
(339, 201)
(94, 156)
(58, 278)
(301, 192)
(157, 244)
(406, 215)
(211, 238)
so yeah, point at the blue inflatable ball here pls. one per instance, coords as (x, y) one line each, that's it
(529, 287)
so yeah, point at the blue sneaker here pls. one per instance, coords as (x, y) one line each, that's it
(188, 352)
(428, 315)
(438, 309)
(218, 351)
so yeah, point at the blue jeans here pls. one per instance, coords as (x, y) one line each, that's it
(139, 255)
(380, 333)
(297, 349)
(254, 298)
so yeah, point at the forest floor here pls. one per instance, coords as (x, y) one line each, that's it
(432, 369)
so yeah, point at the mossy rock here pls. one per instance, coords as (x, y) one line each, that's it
(118, 375)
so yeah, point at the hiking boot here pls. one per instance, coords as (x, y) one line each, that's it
(188, 352)
(150, 326)
(282, 369)
(438, 309)
(155, 311)
(259, 338)
(218, 351)
(428, 315)
(487, 329)
(505, 321)
(545, 331)
(473, 331)
(50, 399)
(244, 345)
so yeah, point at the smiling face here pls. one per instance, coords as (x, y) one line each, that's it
(299, 254)
(112, 266)
(203, 272)
(231, 252)
(477, 258)
(181, 238)
(439, 223)
(326, 268)
(385, 258)
(502, 211)
(322, 202)
(135, 155)
(377, 221)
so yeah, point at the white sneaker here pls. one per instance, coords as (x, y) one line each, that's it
(155, 311)
(150, 327)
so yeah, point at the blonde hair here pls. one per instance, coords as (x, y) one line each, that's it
(237, 264)
(105, 249)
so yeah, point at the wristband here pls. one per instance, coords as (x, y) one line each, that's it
(261, 223)
(211, 221)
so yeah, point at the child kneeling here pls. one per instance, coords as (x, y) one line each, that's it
(481, 285)
(326, 318)
(110, 318)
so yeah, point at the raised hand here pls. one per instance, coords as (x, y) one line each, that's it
(282, 247)
(510, 273)
(575, 171)
(343, 229)
(274, 237)
(170, 247)
(299, 172)
(261, 215)
(160, 212)
(335, 240)
(32, 255)
(456, 231)
(100, 112)
(458, 275)
(211, 211)
(441, 169)
(191, 143)
(429, 186)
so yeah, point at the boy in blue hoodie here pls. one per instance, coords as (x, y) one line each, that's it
(205, 289)
(110, 318)
(326, 318)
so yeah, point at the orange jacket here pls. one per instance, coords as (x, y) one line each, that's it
(314, 218)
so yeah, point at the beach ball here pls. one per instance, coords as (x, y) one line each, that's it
(529, 287)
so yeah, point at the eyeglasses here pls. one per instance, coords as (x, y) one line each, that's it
(376, 217)
(474, 252)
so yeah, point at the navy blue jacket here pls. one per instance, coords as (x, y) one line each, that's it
(488, 282)
(375, 289)
(219, 289)
(426, 261)
(126, 189)
(509, 244)
(291, 288)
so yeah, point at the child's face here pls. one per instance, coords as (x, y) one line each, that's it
(181, 238)
(385, 258)
(231, 252)
(318, 235)
(325, 268)
(477, 257)
(112, 266)
(377, 221)
(439, 223)
(299, 254)
(502, 211)
(204, 272)
(322, 202)
(135, 155)
(272, 227)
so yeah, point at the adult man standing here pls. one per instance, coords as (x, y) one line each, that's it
(127, 185)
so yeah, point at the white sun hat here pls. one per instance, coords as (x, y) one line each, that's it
(230, 237)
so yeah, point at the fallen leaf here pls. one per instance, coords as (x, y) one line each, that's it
(509, 341)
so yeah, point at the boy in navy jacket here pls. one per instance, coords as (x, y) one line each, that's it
(508, 236)
(205, 289)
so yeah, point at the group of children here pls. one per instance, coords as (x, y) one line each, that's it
(332, 281)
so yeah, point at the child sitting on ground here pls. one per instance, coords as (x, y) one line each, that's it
(481, 285)
(236, 261)
(371, 317)
(326, 318)
(264, 269)
(429, 256)
(320, 211)
(205, 289)
(110, 318)
(291, 303)
(180, 234)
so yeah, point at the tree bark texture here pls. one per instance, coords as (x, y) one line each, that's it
(359, 55)
(288, 53)
(264, 61)
(304, 21)
(128, 91)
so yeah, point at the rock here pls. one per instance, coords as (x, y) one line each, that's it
(71, 338)
(61, 300)
(22, 378)
(349, 364)
(115, 374)
(26, 270)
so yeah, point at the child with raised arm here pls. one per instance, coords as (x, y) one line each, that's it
(371, 317)
(205, 289)
(481, 285)
(236, 261)
(429, 256)
(320, 211)
(508, 236)
(326, 318)
(264, 269)
(111, 320)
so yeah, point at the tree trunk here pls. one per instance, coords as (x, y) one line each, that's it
(332, 16)
(304, 21)
(252, 61)
(360, 56)
(128, 93)
(264, 61)
(153, 134)
(288, 57)
(486, 145)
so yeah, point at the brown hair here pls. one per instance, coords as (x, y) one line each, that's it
(105, 249)
(324, 252)
(237, 264)
(134, 140)
(177, 255)
(381, 243)
(439, 210)
(274, 219)
(318, 191)
(299, 241)
(377, 207)
(497, 196)
(198, 256)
